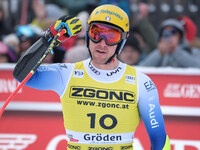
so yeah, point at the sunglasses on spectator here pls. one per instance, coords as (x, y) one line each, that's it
(166, 34)
(112, 35)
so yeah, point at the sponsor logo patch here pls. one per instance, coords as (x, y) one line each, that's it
(78, 73)
(149, 85)
(111, 13)
(102, 138)
(100, 148)
(126, 147)
(114, 72)
(73, 147)
(107, 18)
(130, 79)
(94, 93)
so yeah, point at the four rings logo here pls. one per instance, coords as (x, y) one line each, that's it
(93, 69)
(94, 93)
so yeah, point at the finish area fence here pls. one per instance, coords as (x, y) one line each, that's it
(33, 119)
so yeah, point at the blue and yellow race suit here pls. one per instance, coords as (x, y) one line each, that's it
(102, 108)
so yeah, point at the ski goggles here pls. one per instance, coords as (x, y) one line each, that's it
(166, 34)
(112, 35)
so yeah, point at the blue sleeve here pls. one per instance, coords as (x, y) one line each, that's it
(150, 112)
(52, 77)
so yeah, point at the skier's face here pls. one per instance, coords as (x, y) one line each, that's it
(100, 51)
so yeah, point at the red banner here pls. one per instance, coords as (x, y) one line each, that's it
(33, 119)
(45, 130)
(178, 90)
(8, 84)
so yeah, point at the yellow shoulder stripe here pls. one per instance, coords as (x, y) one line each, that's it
(167, 144)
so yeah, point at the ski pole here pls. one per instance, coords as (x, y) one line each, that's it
(53, 43)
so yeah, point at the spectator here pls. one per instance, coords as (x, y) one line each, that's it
(45, 14)
(191, 31)
(190, 28)
(196, 43)
(83, 16)
(53, 15)
(76, 54)
(131, 53)
(40, 14)
(73, 7)
(4, 27)
(146, 30)
(144, 46)
(13, 42)
(173, 49)
(7, 55)
(27, 36)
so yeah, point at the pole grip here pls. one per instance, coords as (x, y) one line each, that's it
(53, 43)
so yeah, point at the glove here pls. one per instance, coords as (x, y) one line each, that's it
(72, 25)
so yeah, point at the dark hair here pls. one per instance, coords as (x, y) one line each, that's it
(133, 42)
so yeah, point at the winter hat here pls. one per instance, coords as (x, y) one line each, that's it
(11, 38)
(190, 28)
(133, 42)
(24, 32)
(172, 23)
(53, 11)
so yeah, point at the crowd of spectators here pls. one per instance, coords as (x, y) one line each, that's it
(174, 43)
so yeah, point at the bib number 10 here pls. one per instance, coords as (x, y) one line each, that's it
(102, 121)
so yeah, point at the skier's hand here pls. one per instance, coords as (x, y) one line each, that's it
(72, 25)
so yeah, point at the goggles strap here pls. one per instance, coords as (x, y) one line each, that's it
(118, 49)
(89, 50)
(110, 59)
